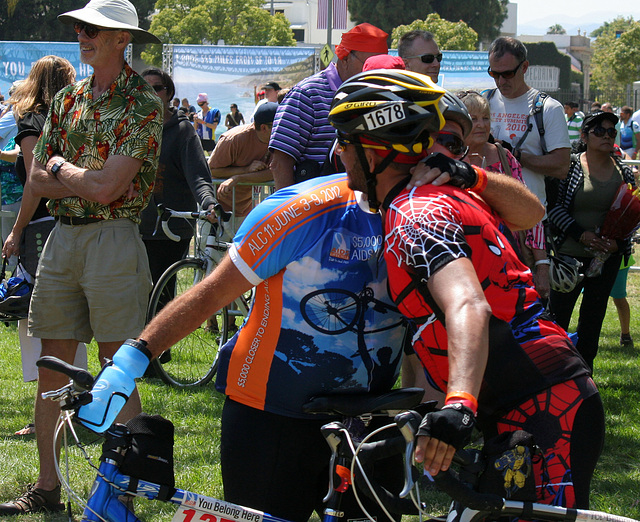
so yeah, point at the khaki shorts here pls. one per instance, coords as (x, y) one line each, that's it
(92, 281)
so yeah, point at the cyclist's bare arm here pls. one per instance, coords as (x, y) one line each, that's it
(509, 198)
(457, 291)
(512, 201)
(187, 312)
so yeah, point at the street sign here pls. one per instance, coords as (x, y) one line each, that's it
(326, 55)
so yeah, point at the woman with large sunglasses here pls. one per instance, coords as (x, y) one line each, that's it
(584, 199)
(485, 153)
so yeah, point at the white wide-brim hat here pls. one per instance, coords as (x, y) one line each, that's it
(111, 14)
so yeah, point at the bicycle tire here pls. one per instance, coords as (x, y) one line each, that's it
(331, 311)
(193, 361)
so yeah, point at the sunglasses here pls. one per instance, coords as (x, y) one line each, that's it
(200, 104)
(90, 30)
(453, 143)
(464, 94)
(427, 58)
(507, 75)
(600, 131)
(158, 88)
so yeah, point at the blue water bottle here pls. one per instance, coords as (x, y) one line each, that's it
(114, 384)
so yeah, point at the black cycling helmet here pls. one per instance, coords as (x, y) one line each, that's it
(396, 109)
(456, 111)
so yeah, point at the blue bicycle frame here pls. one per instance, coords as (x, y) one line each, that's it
(103, 502)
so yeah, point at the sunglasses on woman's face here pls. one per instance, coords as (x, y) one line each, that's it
(427, 58)
(90, 30)
(158, 88)
(600, 131)
(454, 144)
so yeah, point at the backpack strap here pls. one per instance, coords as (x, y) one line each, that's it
(537, 111)
(488, 94)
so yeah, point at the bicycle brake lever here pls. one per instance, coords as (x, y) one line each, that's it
(408, 423)
(160, 212)
(333, 434)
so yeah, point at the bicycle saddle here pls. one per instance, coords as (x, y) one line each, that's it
(355, 404)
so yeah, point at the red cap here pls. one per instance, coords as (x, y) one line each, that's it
(383, 61)
(363, 37)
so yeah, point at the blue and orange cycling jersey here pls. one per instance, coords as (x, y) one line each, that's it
(322, 321)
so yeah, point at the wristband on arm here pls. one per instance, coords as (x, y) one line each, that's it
(481, 182)
(463, 398)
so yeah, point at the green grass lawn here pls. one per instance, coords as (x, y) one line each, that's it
(196, 416)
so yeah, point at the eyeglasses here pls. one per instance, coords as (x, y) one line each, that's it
(90, 30)
(158, 88)
(600, 131)
(343, 141)
(200, 104)
(507, 75)
(453, 143)
(427, 58)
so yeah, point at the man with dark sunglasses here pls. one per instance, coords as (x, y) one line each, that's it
(420, 53)
(513, 123)
(96, 162)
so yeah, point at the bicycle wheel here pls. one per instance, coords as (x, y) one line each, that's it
(332, 311)
(192, 361)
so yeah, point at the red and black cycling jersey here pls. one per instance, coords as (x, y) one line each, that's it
(429, 227)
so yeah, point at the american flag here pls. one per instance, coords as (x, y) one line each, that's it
(339, 14)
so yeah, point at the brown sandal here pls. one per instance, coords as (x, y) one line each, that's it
(29, 429)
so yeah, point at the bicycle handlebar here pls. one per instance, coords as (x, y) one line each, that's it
(164, 214)
(80, 377)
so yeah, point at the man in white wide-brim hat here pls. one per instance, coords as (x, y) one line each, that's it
(96, 162)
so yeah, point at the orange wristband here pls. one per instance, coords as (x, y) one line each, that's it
(462, 397)
(482, 181)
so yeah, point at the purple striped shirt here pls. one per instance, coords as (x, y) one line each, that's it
(301, 128)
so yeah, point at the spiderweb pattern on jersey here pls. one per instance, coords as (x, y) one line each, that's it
(424, 233)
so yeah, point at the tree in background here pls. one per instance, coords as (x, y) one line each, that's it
(237, 22)
(37, 19)
(616, 54)
(556, 29)
(484, 16)
(449, 35)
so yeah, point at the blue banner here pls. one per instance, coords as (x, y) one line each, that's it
(463, 70)
(235, 74)
(16, 59)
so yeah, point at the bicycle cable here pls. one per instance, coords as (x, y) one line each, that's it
(64, 423)
(355, 461)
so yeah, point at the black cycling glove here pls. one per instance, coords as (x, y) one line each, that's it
(462, 174)
(453, 424)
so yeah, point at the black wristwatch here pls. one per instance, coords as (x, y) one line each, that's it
(55, 168)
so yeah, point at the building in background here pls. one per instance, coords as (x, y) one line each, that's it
(576, 47)
(308, 19)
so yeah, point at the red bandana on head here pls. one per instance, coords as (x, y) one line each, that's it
(366, 38)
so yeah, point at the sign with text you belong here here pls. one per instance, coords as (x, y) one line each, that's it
(16, 59)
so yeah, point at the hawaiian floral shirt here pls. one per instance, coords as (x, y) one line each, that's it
(126, 120)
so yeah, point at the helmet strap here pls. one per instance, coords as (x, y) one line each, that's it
(371, 176)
